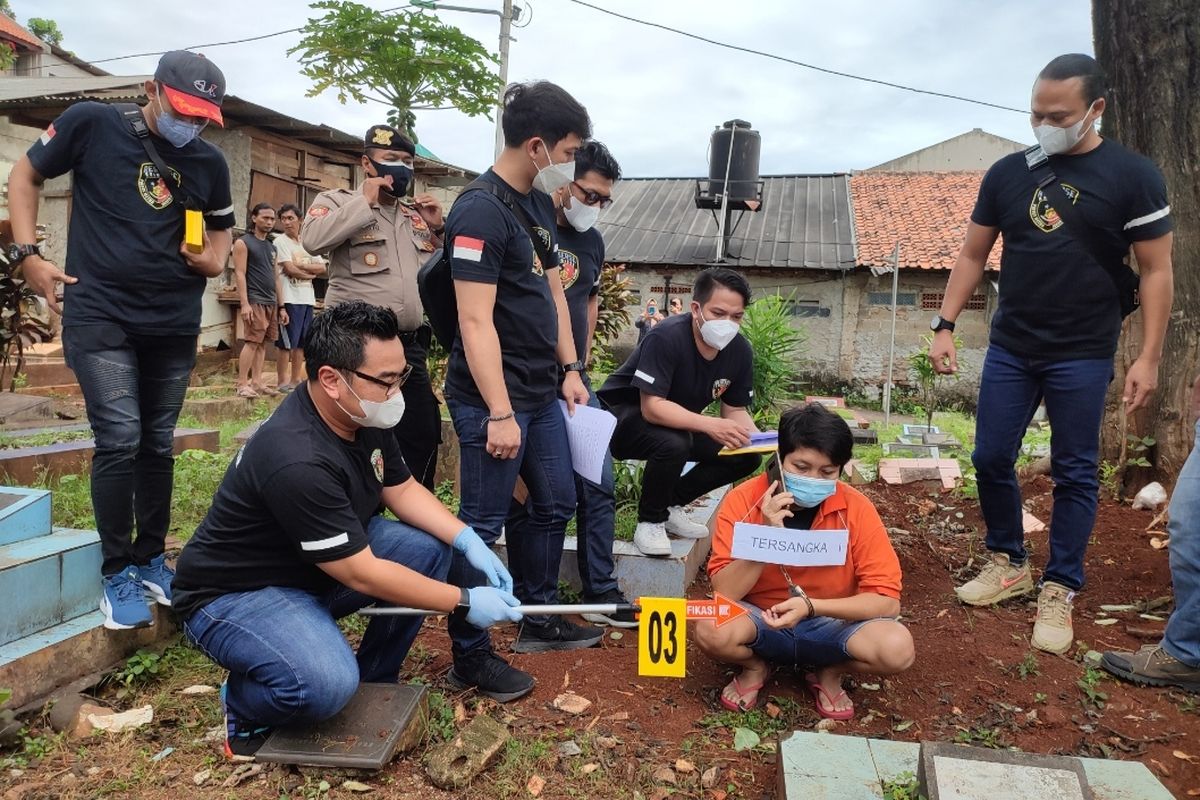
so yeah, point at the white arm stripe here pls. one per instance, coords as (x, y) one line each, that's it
(325, 544)
(637, 373)
(1162, 212)
(219, 212)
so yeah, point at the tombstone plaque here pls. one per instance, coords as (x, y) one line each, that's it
(953, 772)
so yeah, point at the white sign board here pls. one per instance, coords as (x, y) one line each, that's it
(791, 548)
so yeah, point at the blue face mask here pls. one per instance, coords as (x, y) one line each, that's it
(808, 492)
(177, 132)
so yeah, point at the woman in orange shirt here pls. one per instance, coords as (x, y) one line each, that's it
(837, 619)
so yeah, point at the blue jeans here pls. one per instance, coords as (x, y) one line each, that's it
(133, 388)
(1009, 392)
(816, 641)
(595, 523)
(1182, 639)
(544, 463)
(288, 662)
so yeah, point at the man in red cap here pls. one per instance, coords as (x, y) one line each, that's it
(131, 310)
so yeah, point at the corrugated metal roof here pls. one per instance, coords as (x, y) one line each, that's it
(18, 90)
(805, 223)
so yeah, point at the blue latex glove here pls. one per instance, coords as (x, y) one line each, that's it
(481, 557)
(490, 606)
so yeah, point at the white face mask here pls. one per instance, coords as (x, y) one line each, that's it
(580, 214)
(377, 415)
(1055, 141)
(553, 177)
(718, 332)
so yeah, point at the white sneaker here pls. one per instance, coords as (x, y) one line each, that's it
(651, 539)
(679, 524)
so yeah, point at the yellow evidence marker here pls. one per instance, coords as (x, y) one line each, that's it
(193, 231)
(662, 637)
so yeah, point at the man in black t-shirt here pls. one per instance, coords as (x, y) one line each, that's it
(581, 254)
(260, 309)
(132, 304)
(1056, 327)
(294, 540)
(684, 365)
(502, 381)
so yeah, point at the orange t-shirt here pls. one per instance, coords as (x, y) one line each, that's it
(871, 563)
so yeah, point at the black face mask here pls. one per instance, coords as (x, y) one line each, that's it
(400, 172)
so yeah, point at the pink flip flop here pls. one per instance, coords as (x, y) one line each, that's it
(741, 692)
(824, 702)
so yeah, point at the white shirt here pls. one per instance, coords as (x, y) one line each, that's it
(298, 291)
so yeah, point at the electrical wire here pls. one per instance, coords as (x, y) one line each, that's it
(794, 62)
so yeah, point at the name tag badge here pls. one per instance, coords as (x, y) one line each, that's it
(790, 548)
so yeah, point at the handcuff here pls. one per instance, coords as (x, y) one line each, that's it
(796, 591)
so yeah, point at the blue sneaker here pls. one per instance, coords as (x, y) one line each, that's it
(123, 601)
(241, 739)
(156, 577)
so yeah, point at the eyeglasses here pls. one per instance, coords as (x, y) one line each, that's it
(391, 386)
(591, 198)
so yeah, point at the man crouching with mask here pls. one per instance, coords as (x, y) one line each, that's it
(294, 540)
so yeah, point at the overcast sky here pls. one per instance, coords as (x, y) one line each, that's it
(655, 96)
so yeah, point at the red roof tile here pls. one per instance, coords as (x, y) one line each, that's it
(10, 30)
(927, 212)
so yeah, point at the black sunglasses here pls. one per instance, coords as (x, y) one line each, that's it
(591, 198)
(391, 386)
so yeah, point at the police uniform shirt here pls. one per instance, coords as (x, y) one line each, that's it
(126, 227)
(1056, 302)
(296, 495)
(667, 364)
(374, 252)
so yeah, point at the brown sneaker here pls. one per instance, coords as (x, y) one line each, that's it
(1152, 666)
(998, 580)
(1053, 632)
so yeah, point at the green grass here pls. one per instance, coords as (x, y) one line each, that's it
(10, 442)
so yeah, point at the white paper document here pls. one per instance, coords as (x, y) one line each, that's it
(792, 548)
(589, 432)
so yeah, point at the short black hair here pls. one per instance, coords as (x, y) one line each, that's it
(261, 207)
(1078, 65)
(815, 427)
(593, 156)
(292, 207)
(338, 335)
(707, 280)
(541, 109)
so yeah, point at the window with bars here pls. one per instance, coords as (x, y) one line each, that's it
(807, 308)
(885, 298)
(933, 301)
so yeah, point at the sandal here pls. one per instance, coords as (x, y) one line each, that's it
(247, 392)
(741, 692)
(824, 702)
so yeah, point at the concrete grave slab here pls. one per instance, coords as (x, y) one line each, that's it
(907, 450)
(26, 464)
(864, 435)
(918, 430)
(454, 764)
(858, 475)
(1030, 523)
(24, 514)
(828, 402)
(910, 470)
(16, 407)
(380, 720)
(953, 772)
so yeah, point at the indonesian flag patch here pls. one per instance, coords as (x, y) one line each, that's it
(468, 249)
(47, 135)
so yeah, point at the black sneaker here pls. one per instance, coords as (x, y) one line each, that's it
(490, 675)
(557, 634)
(621, 619)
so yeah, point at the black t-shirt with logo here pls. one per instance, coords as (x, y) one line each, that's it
(260, 270)
(296, 495)
(668, 364)
(1056, 302)
(582, 257)
(489, 245)
(126, 228)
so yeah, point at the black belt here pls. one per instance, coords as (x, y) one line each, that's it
(410, 337)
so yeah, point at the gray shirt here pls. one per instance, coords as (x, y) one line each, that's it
(260, 270)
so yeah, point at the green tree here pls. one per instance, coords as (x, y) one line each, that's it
(777, 345)
(929, 380)
(45, 29)
(409, 61)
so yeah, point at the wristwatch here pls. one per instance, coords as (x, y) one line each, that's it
(464, 599)
(18, 252)
(940, 324)
(574, 366)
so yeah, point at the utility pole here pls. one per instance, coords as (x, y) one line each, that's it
(506, 19)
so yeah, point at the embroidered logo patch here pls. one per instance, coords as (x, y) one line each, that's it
(569, 268)
(371, 259)
(318, 211)
(719, 387)
(1043, 214)
(377, 464)
(153, 188)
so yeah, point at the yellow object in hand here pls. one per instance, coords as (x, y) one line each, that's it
(193, 231)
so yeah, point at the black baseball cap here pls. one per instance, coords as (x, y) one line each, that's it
(385, 137)
(193, 84)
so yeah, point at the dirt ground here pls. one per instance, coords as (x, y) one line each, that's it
(975, 681)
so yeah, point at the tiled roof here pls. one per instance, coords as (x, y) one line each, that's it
(804, 224)
(9, 29)
(926, 212)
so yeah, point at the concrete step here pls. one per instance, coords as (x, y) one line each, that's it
(47, 580)
(27, 464)
(24, 514)
(16, 407)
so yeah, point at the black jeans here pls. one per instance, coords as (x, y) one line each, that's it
(666, 451)
(420, 431)
(133, 387)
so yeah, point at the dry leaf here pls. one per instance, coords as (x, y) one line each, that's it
(566, 679)
(660, 794)
(1158, 543)
(664, 775)
(588, 769)
(460, 713)
(1182, 756)
(773, 711)
(198, 688)
(956, 711)
(683, 765)
(943, 613)
(607, 742)
(718, 794)
(356, 786)
(1161, 767)
(1193, 792)
(535, 785)
(620, 716)
(709, 779)
(571, 703)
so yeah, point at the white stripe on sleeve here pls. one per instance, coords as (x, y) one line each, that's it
(1162, 212)
(326, 544)
(637, 373)
(220, 212)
